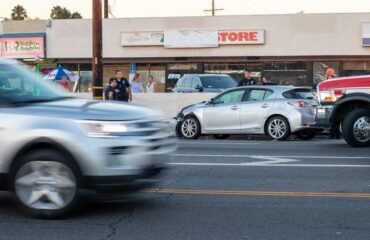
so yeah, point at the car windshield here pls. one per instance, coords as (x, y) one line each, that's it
(20, 85)
(223, 82)
(299, 94)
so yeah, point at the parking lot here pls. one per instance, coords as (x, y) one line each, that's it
(231, 189)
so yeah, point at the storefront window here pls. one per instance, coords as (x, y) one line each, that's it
(319, 69)
(182, 66)
(356, 68)
(288, 73)
(158, 71)
(235, 70)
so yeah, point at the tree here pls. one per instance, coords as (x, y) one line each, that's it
(18, 13)
(59, 12)
(76, 15)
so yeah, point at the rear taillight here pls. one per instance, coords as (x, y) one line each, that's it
(298, 104)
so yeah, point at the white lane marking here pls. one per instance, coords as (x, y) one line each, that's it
(253, 156)
(270, 160)
(271, 165)
(217, 143)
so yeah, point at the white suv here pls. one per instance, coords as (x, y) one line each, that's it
(52, 145)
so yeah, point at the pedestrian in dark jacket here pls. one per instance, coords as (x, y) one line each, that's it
(266, 80)
(248, 79)
(123, 87)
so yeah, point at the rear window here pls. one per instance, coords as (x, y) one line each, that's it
(299, 94)
(223, 82)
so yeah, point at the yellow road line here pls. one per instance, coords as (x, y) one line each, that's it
(259, 193)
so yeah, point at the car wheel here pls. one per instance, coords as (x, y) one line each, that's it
(278, 128)
(306, 135)
(190, 128)
(221, 136)
(356, 128)
(45, 184)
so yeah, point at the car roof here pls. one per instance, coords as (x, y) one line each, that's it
(275, 87)
(207, 75)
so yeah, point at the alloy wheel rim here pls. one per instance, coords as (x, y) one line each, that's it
(189, 128)
(277, 128)
(361, 129)
(45, 185)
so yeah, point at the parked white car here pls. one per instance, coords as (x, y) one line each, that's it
(277, 111)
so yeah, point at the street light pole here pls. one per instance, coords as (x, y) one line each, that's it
(106, 9)
(213, 8)
(97, 44)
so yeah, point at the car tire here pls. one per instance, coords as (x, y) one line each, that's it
(221, 136)
(353, 128)
(190, 128)
(45, 183)
(278, 128)
(306, 135)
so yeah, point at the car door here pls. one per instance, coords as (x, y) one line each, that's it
(258, 103)
(222, 115)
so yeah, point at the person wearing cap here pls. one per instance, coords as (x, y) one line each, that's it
(330, 73)
(248, 79)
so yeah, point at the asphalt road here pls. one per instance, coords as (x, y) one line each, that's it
(228, 190)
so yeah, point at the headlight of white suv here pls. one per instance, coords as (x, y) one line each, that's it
(107, 128)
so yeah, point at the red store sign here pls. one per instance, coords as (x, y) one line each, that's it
(239, 37)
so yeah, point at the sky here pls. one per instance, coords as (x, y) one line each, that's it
(162, 8)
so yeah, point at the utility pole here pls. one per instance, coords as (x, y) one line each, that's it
(213, 10)
(97, 44)
(106, 9)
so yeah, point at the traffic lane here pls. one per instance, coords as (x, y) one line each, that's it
(228, 217)
(299, 148)
(268, 178)
(181, 216)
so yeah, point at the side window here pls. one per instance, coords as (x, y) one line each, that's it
(258, 94)
(196, 82)
(180, 82)
(230, 97)
(187, 82)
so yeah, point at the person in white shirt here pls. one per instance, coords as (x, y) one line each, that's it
(151, 87)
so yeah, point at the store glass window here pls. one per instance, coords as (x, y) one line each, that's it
(288, 73)
(319, 69)
(182, 66)
(235, 70)
(356, 68)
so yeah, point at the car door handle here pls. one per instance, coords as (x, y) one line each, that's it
(265, 106)
(234, 108)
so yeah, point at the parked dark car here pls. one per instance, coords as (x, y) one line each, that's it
(204, 83)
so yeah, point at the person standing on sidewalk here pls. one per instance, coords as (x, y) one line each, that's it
(136, 84)
(110, 92)
(266, 80)
(151, 87)
(123, 87)
(248, 79)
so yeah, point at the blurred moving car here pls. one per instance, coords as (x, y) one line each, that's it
(52, 145)
(345, 108)
(204, 83)
(276, 111)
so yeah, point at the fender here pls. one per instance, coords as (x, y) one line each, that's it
(363, 98)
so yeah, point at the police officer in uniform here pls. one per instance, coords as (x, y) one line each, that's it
(123, 87)
(248, 79)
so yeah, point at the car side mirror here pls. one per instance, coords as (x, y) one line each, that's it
(200, 88)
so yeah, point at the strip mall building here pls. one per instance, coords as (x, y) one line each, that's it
(293, 49)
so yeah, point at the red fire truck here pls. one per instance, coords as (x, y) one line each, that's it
(345, 108)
